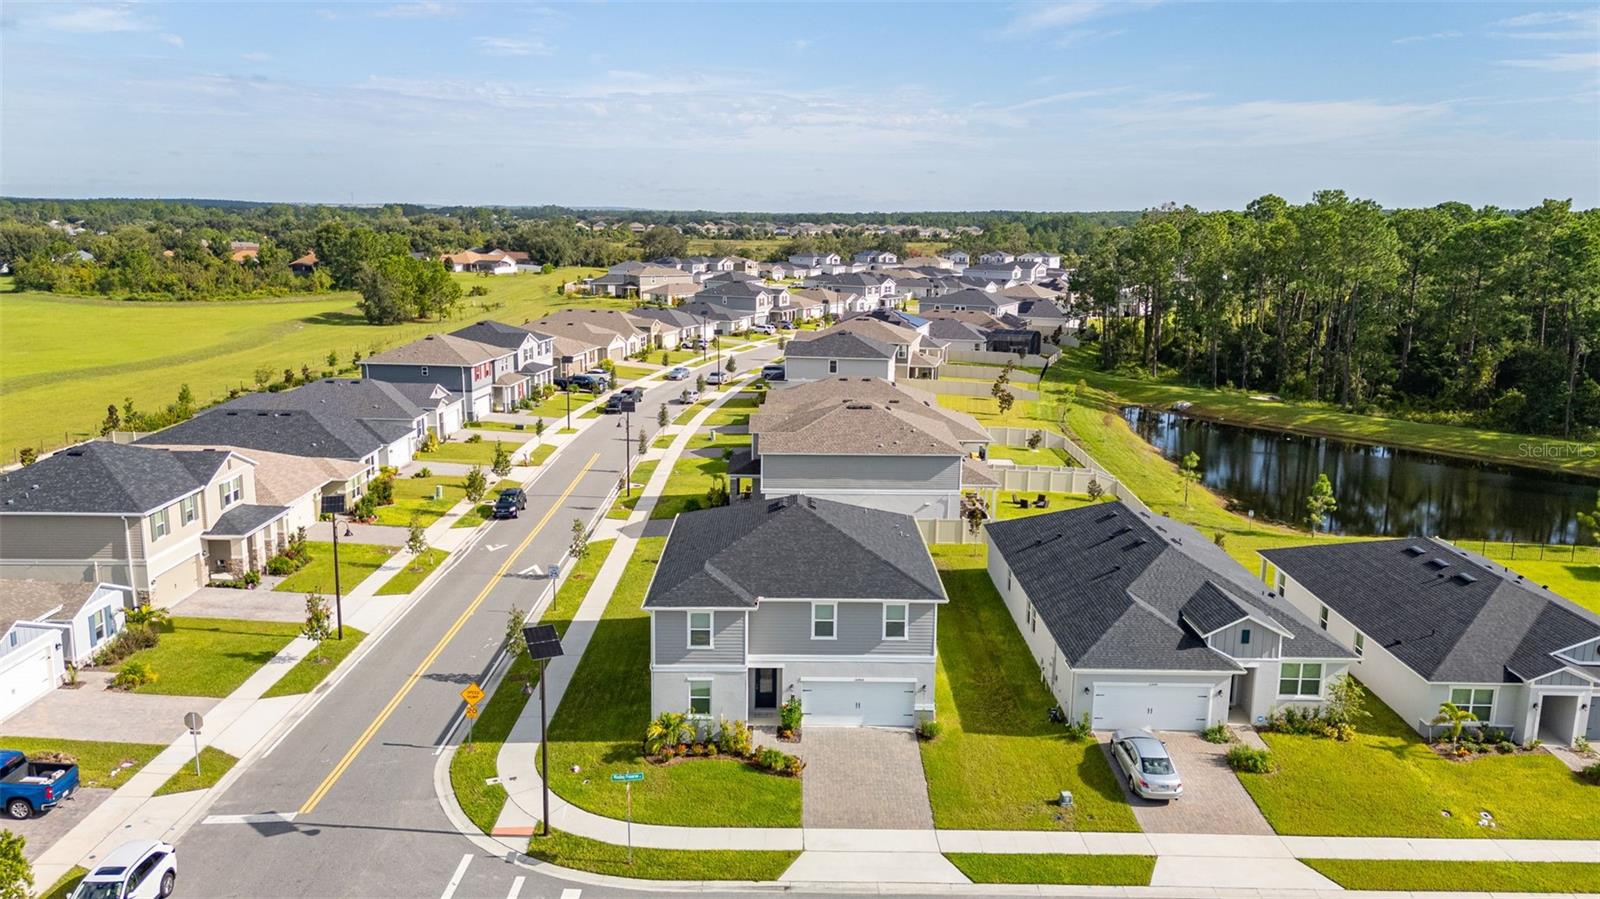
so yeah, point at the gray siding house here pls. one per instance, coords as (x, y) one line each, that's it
(758, 602)
(836, 355)
(461, 366)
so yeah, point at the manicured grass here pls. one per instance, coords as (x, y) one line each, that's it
(415, 496)
(479, 453)
(63, 888)
(1450, 877)
(623, 506)
(1005, 509)
(101, 763)
(554, 409)
(406, 579)
(625, 373)
(213, 764)
(316, 666)
(84, 353)
(538, 454)
(356, 562)
(602, 718)
(211, 656)
(483, 511)
(692, 474)
(524, 428)
(689, 412)
(474, 760)
(1404, 788)
(1095, 870)
(999, 762)
(1573, 573)
(1024, 456)
(583, 854)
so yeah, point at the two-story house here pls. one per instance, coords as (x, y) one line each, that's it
(973, 299)
(758, 602)
(876, 258)
(752, 297)
(876, 288)
(467, 367)
(915, 355)
(821, 356)
(532, 349)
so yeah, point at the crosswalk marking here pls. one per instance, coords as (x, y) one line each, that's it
(455, 881)
(516, 888)
(571, 894)
(266, 818)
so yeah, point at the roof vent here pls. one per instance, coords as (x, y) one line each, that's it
(1414, 550)
(1137, 542)
(1125, 529)
(1465, 578)
(775, 505)
(1437, 562)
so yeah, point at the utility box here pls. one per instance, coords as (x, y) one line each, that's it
(438, 491)
(1065, 801)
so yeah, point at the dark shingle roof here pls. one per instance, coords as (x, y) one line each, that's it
(335, 418)
(1444, 614)
(107, 478)
(839, 345)
(792, 548)
(245, 519)
(493, 333)
(1113, 587)
(1210, 609)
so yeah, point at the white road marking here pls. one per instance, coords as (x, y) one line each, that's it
(571, 894)
(516, 888)
(455, 881)
(266, 818)
(494, 547)
(533, 570)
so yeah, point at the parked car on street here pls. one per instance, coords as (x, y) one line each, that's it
(764, 329)
(689, 397)
(1144, 761)
(677, 373)
(27, 788)
(591, 383)
(511, 501)
(142, 869)
(715, 378)
(773, 372)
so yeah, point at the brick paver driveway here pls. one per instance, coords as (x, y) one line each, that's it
(92, 712)
(1213, 799)
(862, 777)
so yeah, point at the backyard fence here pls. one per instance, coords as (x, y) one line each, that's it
(987, 357)
(987, 373)
(970, 388)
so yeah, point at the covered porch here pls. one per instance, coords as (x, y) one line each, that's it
(243, 539)
(508, 390)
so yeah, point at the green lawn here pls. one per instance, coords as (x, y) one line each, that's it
(1405, 788)
(1024, 456)
(999, 762)
(483, 511)
(211, 656)
(406, 579)
(415, 496)
(316, 666)
(1402, 875)
(101, 763)
(84, 353)
(554, 409)
(213, 764)
(689, 412)
(626, 373)
(602, 718)
(538, 454)
(692, 474)
(474, 760)
(583, 854)
(63, 888)
(623, 506)
(356, 562)
(1005, 509)
(479, 453)
(1096, 870)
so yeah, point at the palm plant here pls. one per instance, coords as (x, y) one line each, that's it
(668, 729)
(147, 615)
(1456, 718)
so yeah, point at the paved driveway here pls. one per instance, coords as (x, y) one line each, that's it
(253, 605)
(42, 831)
(1213, 799)
(92, 712)
(862, 777)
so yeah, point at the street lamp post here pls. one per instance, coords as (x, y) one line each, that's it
(566, 369)
(544, 644)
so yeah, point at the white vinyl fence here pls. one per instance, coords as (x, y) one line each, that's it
(969, 388)
(987, 373)
(985, 357)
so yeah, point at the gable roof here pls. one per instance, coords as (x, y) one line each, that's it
(1120, 589)
(23, 599)
(104, 478)
(494, 333)
(295, 426)
(875, 329)
(1443, 613)
(860, 416)
(838, 345)
(439, 349)
(971, 298)
(796, 547)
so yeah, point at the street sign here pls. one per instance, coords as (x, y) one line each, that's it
(628, 777)
(193, 721)
(473, 694)
(472, 710)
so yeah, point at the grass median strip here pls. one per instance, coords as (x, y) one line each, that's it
(101, 764)
(624, 505)
(213, 764)
(408, 578)
(475, 759)
(63, 888)
(1096, 870)
(357, 561)
(583, 854)
(1412, 875)
(315, 667)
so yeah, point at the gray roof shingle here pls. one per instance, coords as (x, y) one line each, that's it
(245, 519)
(839, 345)
(107, 478)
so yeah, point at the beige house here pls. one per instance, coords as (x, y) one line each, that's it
(915, 356)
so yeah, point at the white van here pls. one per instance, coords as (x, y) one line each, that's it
(142, 869)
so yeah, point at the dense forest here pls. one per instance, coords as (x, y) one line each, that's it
(1450, 314)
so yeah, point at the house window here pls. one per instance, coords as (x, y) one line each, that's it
(159, 525)
(231, 492)
(1322, 618)
(700, 697)
(700, 630)
(1480, 702)
(1244, 636)
(97, 626)
(1300, 679)
(189, 509)
(833, 366)
(894, 621)
(823, 626)
(1361, 644)
(423, 371)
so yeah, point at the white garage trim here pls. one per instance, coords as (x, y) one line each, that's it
(1156, 706)
(858, 701)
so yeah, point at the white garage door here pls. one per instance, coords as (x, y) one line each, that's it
(857, 703)
(482, 404)
(1156, 706)
(30, 673)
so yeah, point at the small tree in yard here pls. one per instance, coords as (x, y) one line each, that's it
(416, 536)
(27, 455)
(731, 366)
(1034, 439)
(644, 439)
(1005, 400)
(580, 540)
(700, 383)
(1095, 490)
(1345, 701)
(661, 415)
(476, 484)
(666, 358)
(516, 647)
(1320, 502)
(1591, 521)
(502, 460)
(16, 875)
(538, 428)
(333, 359)
(1455, 718)
(318, 625)
(112, 422)
(1190, 472)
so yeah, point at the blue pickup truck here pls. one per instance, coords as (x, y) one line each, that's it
(28, 787)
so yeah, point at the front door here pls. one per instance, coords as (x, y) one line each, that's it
(766, 688)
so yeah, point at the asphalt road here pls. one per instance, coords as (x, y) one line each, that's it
(377, 829)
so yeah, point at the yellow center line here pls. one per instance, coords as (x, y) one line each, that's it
(427, 662)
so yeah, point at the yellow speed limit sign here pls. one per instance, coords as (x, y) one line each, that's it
(473, 694)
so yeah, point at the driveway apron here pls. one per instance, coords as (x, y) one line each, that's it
(1213, 799)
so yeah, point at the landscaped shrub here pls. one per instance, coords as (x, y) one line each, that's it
(130, 640)
(424, 472)
(1311, 721)
(929, 729)
(1591, 774)
(789, 715)
(663, 735)
(1249, 759)
(1217, 733)
(475, 438)
(134, 674)
(1081, 730)
(734, 738)
(777, 761)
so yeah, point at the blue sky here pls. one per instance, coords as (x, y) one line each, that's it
(786, 107)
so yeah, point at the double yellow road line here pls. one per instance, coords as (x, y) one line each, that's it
(433, 655)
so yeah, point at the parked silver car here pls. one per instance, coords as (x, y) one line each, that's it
(1144, 760)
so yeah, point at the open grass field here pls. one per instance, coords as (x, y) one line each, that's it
(999, 761)
(600, 724)
(1405, 788)
(211, 656)
(1408, 875)
(79, 354)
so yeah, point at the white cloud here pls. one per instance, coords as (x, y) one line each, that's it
(1586, 16)
(423, 9)
(172, 39)
(254, 56)
(1045, 18)
(506, 46)
(1570, 25)
(1419, 38)
(327, 15)
(96, 19)
(1559, 62)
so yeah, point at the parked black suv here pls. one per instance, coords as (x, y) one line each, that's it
(511, 501)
